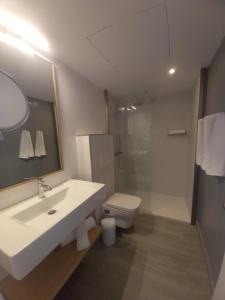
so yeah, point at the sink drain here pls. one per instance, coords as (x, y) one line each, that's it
(52, 212)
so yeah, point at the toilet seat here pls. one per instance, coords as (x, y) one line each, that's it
(124, 202)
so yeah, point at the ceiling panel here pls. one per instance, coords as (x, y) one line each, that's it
(135, 40)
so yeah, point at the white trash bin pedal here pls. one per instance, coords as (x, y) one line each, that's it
(108, 231)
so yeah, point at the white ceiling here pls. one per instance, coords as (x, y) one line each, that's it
(127, 46)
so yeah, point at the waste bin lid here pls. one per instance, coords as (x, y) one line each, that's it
(108, 222)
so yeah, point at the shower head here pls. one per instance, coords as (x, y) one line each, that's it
(130, 105)
(137, 104)
(120, 108)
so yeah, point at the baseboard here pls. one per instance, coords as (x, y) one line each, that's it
(212, 283)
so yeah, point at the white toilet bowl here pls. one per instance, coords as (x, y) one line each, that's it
(123, 208)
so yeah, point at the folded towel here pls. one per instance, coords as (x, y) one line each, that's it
(82, 237)
(199, 145)
(40, 149)
(26, 146)
(70, 237)
(89, 222)
(213, 152)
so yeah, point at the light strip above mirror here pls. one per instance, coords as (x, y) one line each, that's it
(17, 43)
(20, 34)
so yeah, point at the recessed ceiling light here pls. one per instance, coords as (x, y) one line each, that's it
(133, 107)
(172, 71)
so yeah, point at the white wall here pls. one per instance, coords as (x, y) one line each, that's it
(170, 154)
(82, 111)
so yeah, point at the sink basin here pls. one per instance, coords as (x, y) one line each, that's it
(33, 228)
(43, 207)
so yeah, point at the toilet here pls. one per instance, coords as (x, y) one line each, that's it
(123, 208)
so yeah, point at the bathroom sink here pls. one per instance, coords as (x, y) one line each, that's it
(31, 229)
(45, 207)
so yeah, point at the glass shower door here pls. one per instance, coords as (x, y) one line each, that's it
(132, 142)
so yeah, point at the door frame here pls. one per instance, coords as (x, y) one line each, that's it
(201, 114)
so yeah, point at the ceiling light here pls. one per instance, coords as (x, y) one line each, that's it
(128, 108)
(17, 43)
(133, 107)
(24, 30)
(172, 71)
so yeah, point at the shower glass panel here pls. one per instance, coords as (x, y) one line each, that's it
(132, 142)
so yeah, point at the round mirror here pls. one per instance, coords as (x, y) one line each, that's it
(14, 108)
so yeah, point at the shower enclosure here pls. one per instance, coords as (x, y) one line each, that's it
(148, 162)
(132, 145)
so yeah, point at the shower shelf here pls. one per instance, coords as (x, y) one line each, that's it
(177, 132)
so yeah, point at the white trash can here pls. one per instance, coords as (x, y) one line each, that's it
(108, 231)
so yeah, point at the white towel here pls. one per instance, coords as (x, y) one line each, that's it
(40, 149)
(199, 146)
(89, 223)
(26, 146)
(213, 157)
(82, 237)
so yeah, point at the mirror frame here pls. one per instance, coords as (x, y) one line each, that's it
(57, 126)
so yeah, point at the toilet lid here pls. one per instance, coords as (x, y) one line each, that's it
(124, 201)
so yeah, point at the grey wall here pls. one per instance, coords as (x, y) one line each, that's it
(13, 169)
(211, 192)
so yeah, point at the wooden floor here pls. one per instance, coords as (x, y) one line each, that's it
(161, 260)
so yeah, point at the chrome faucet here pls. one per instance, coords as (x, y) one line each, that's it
(42, 188)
